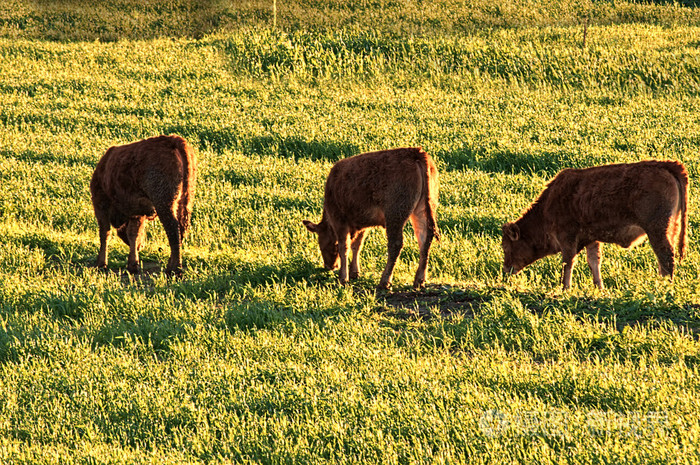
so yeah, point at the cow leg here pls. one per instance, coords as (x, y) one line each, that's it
(569, 259)
(424, 236)
(141, 236)
(135, 228)
(343, 240)
(172, 230)
(356, 247)
(394, 235)
(664, 252)
(105, 232)
(594, 256)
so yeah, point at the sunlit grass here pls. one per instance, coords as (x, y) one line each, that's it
(256, 354)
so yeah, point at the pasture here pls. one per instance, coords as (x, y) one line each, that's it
(256, 354)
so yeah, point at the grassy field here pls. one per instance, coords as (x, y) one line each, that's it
(256, 354)
(112, 20)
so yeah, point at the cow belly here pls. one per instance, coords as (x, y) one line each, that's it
(625, 236)
(138, 206)
(369, 218)
(145, 207)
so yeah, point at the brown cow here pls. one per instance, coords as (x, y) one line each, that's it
(383, 188)
(619, 204)
(137, 182)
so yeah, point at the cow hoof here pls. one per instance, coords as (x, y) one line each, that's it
(383, 286)
(418, 284)
(176, 272)
(133, 269)
(354, 274)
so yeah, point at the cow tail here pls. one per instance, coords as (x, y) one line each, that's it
(431, 187)
(189, 162)
(682, 177)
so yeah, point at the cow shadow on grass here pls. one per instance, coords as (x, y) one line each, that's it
(259, 294)
(546, 327)
(235, 291)
(56, 250)
(79, 258)
(238, 296)
(148, 333)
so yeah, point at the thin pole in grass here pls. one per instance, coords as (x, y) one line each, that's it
(274, 14)
(585, 32)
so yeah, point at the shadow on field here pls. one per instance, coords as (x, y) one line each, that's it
(149, 333)
(60, 157)
(445, 301)
(221, 139)
(494, 160)
(147, 315)
(432, 302)
(57, 249)
(248, 309)
(543, 329)
(148, 270)
(107, 21)
(247, 292)
(486, 225)
(79, 257)
(296, 147)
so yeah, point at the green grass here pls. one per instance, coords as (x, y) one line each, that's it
(107, 21)
(256, 354)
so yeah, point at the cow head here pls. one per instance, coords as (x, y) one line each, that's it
(326, 241)
(518, 252)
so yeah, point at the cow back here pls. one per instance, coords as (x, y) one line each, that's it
(362, 190)
(159, 170)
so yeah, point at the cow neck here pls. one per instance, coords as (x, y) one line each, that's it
(325, 221)
(324, 216)
(532, 226)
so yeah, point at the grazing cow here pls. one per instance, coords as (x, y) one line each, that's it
(383, 188)
(620, 204)
(137, 182)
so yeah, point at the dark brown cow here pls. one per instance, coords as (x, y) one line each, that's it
(385, 188)
(620, 204)
(137, 182)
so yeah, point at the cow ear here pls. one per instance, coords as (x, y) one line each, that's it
(512, 231)
(310, 226)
